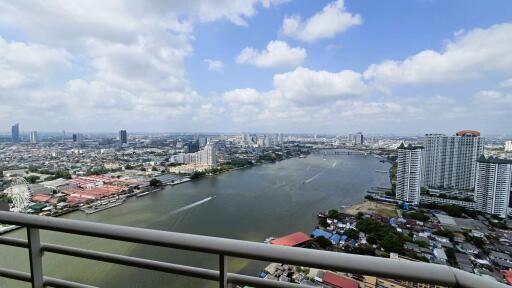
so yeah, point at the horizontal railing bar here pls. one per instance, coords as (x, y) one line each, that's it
(14, 242)
(48, 281)
(59, 283)
(16, 275)
(259, 282)
(356, 264)
(133, 262)
(202, 273)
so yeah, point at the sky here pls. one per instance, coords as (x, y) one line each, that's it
(387, 67)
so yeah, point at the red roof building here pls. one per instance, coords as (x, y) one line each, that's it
(293, 239)
(42, 198)
(508, 276)
(337, 281)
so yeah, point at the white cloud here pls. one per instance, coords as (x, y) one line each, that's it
(109, 62)
(242, 96)
(23, 64)
(507, 83)
(277, 54)
(333, 19)
(493, 97)
(468, 56)
(311, 87)
(214, 65)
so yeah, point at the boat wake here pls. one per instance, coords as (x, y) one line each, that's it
(334, 164)
(190, 206)
(313, 178)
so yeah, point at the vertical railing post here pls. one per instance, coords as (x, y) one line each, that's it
(223, 271)
(35, 257)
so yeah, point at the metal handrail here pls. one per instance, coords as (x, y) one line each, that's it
(356, 264)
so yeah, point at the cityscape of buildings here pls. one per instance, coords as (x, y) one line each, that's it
(93, 172)
(455, 165)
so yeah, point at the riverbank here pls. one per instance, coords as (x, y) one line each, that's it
(366, 206)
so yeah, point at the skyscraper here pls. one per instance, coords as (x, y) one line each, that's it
(450, 161)
(78, 138)
(356, 139)
(493, 185)
(123, 137)
(33, 137)
(408, 175)
(15, 133)
(508, 146)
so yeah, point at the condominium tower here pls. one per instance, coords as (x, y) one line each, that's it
(450, 161)
(123, 137)
(33, 137)
(493, 185)
(408, 174)
(15, 133)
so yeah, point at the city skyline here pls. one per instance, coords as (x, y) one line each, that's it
(226, 67)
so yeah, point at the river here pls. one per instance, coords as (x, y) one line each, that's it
(248, 204)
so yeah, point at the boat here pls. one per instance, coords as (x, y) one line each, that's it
(143, 194)
(322, 215)
(101, 207)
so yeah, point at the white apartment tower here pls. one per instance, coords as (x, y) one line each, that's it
(508, 146)
(493, 185)
(408, 175)
(33, 137)
(450, 161)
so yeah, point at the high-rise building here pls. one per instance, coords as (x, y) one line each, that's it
(123, 137)
(209, 155)
(203, 140)
(493, 185)
(15, 133)
(408, 174)
(450, 161)
(508, 146)
(78, 138)
(356, 139)
(33, 137)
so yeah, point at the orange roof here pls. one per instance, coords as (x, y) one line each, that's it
(470, 132)
(293, 239)
(41, 198)
(338, 281)
(508, 276)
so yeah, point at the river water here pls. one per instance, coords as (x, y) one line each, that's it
(248, 204)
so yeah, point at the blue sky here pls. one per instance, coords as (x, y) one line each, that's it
(265, 66)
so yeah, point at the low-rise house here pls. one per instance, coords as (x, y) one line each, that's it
(467, 248)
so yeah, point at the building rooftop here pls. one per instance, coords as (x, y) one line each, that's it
(493, 160)
(473, 133)
(409, 147)
(293, 239)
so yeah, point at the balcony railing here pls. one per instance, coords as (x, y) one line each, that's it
(224, 248)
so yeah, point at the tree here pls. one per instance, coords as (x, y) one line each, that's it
(352, 234)
(392, 243)
(323, 242)
(372, 239)
(155, 183)
(323, 222)
(197, 174)
(454, 211)
(333, 214)
(32, 179)
(128, 167)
